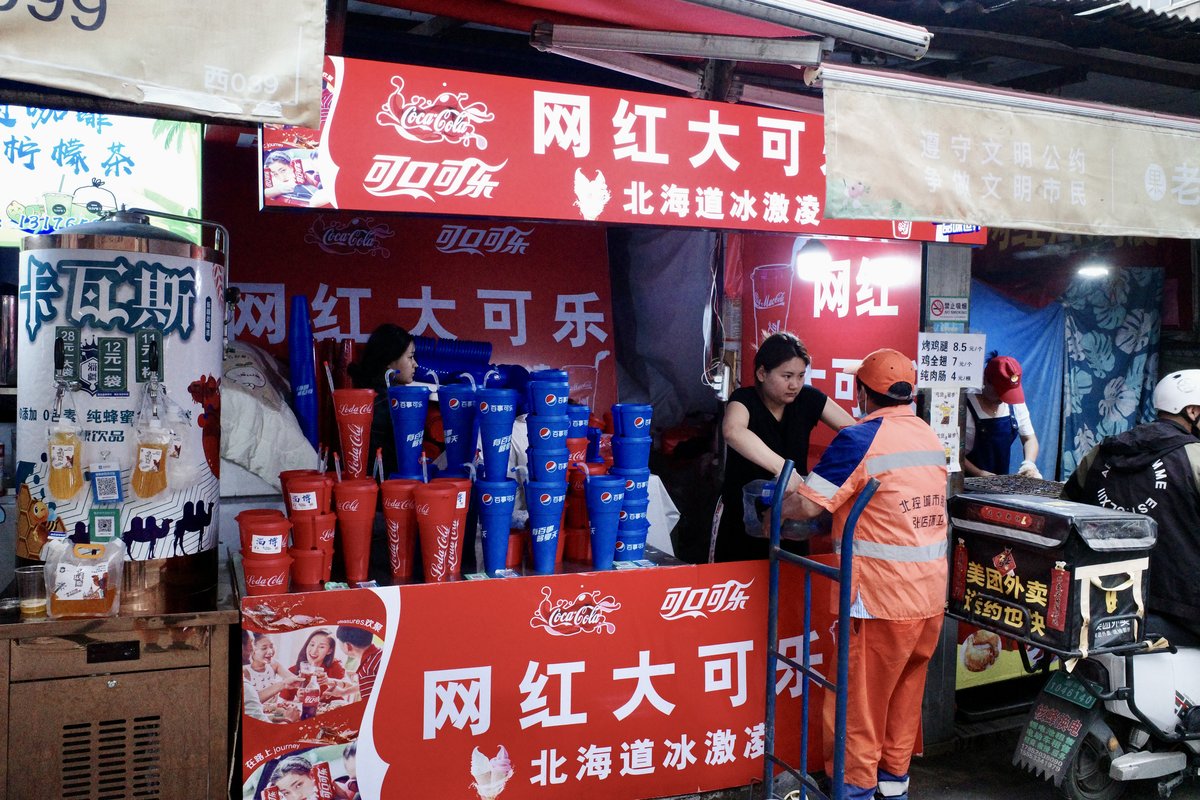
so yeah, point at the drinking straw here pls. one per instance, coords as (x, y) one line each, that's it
(470, 378)
(337, 467)
(333, 398)
(489, 374)
(378, 471)
(387, 376)
(470, 470)
(424, 468)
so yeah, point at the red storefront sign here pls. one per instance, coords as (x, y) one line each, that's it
(473, 280)
(626, 684)
(396, 137)
(843, 298)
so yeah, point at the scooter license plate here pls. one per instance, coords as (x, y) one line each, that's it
(1070, 689)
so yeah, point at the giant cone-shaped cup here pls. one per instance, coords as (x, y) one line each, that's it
(605, 494)
(354, 503)
(408, 406)
(353, 410)
(400, 518)
(460, 423)
(497, 412)
(495, 500)
(441, 514)
(545, 502)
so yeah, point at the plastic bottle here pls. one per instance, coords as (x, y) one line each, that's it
(310, 698)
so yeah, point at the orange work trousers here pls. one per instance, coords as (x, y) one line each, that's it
(885, 687)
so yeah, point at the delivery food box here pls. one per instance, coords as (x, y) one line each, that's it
(1066, 577)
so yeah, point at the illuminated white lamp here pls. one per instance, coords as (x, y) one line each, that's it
(1093, 269)
(811, 260)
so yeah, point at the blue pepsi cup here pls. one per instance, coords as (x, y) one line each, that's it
(637, 482)
(633, 511)
(459, 422)
(631, 543)
(548, 433)
(604, 494)
(552, 375)
(548, 398)
(631, 453)
(593, 447)
(632, 419)
(497, 409)
(495, 500)
(548, 465)
(545, 502)
(579, 416)
(408, 406)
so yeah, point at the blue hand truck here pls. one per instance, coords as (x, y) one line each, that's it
(841, 574)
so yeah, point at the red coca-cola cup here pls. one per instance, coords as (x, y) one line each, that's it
(353, 410)
(516, 550)
(266, 574)
(304, 533)
(324, 531)
(577, 449)
(441, 511)
(307, 495)
(579, 545)
(288, 474)
(264, 536)
(354, 503)
(400, 517)
(244, 518)
(307, 566)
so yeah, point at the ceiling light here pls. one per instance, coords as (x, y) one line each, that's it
(798, 52)
(811, 259)
(649, 69)
(827, 19)
(1092, 270)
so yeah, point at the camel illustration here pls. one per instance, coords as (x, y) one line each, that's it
(195, 519)
(146, 530)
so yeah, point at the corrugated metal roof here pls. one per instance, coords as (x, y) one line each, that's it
(1158, 16)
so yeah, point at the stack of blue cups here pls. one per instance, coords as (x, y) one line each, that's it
(408, 406)
(631, 459)
(547, 458)
(497, 411)
(460, 423)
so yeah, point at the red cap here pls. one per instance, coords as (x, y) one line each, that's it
(888, 372)
(1003, 373)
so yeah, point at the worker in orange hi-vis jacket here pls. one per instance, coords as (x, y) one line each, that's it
(898, 585)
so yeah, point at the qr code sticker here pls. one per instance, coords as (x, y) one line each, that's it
(106, 526)
(107, 488)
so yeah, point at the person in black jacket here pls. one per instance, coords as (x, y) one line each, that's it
(1154, 469)
(390, 347)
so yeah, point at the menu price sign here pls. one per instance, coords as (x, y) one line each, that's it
(951, 359)
(1055, 728)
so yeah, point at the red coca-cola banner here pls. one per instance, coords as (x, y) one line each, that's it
(843, 298)
(625, 684)
(396, 137)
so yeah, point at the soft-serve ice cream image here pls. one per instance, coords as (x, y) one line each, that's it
(490, 774)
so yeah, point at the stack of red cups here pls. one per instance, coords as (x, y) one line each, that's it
(307, 494)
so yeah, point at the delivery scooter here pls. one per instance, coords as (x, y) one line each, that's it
(1116, 718)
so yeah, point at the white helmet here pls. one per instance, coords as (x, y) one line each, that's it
(1177, 391)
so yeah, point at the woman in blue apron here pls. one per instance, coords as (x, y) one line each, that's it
(996, 416)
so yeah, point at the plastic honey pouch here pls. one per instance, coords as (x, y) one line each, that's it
(64, 448)
(150, 460)
(84, 580)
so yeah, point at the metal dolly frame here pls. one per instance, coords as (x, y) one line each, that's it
(841, 574)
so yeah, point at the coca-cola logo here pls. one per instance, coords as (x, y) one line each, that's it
(351, 409)
(357, 450)
(769, 301)
(423, 509)
(587, 612)
(348, 505)
(398, 504)
(444, 118)
(275, 580)
(347, 237)
(445, 542)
